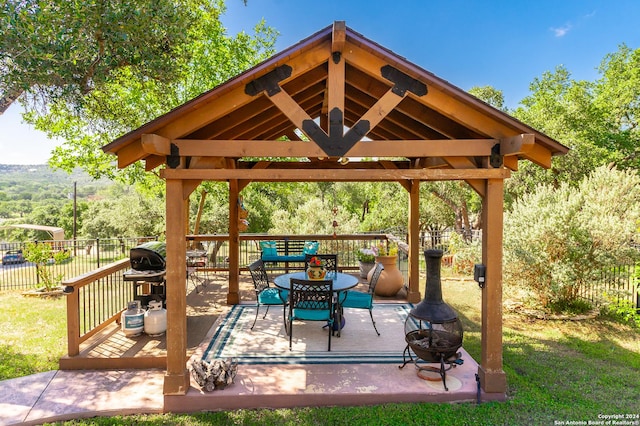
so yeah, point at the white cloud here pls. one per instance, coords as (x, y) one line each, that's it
(561, 31)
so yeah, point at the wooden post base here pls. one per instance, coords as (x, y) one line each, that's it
(176, 384)
(492, 381)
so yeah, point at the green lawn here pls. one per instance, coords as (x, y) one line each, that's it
(557, 371)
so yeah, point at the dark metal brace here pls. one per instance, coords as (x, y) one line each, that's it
(269, 81)
(403, 82)
(173, 160)
(496, 160)
(335, 144)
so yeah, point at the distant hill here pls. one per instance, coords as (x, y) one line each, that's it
(42, 172)
(40, 182)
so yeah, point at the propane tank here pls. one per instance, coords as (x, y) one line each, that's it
(132, 320)
(155, 319)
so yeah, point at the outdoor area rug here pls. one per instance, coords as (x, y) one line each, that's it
(268, 342)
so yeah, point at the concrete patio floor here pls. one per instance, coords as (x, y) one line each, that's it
(64, 395)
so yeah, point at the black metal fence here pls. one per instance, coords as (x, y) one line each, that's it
(615, 284)
(618, 285)
(84, 256)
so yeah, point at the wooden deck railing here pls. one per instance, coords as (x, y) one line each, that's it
(96, 299)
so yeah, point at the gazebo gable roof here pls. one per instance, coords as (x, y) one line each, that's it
(350, 96)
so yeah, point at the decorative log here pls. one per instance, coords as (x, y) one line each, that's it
(216, 374)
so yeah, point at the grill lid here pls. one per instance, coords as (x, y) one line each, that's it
(148, 256)
(433, 308)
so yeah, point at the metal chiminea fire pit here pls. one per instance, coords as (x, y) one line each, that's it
(433, 330)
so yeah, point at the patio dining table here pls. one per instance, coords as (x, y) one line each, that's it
(341, 283)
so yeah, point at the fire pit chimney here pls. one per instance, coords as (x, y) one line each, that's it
(433, 330)
(433, 308)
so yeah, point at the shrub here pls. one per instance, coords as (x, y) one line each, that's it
(558, 240)
(43, 255)
(465, 254)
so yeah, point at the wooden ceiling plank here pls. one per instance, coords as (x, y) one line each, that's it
(236, 97)
(401, 126)
(335, 175)
(436, 99)
(290, 108)
(414, 110)
(381, 108)
(262, 110)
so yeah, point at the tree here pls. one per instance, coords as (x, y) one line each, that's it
(132, 92)
(490, 95)
(597, 120)
(62, 50)
(616, 97)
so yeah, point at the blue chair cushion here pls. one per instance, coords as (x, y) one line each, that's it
(311, 315)
(357, 299)
(271, 296)
(268, 248)
(310, 247)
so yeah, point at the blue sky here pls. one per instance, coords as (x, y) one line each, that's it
(504, 44)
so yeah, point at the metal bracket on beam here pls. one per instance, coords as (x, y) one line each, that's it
(268, 82)
(335, 144)
(173, 160)
(403, 82)
(495, 159)
(336, 57)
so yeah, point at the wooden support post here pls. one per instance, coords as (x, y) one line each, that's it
(176, 380)
(233, 295)
(73, 323)
(413, 296)
(492, 376)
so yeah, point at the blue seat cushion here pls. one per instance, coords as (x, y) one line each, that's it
(271, 296)
(357, 299)
(311, 315)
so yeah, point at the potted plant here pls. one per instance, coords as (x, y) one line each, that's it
(316, 270)
(366, 260)
(45, 258)
(391, 279)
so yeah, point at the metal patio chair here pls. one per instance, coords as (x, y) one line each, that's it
(266, 294)
(361, 300)
(311, 300)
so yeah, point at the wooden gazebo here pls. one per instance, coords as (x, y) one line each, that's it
(332, 97)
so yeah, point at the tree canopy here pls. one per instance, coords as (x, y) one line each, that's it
(60, 49)
(89, 72)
